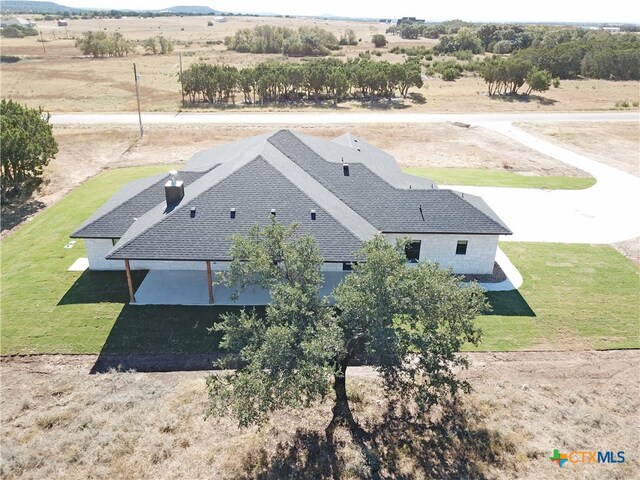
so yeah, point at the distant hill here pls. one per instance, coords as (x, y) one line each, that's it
(28, 6)
(15, 6)
(193, 10)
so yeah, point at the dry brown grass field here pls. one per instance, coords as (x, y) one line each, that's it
(60, 422)
(62, 80)
(615, 144)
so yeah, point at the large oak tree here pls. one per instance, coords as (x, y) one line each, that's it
(408, 321)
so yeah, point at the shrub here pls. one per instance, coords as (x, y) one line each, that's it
(18, 31)
(464, 55)
(556, 82)
(449, 74)
(348, 38)
(379, 40)
(9, 59)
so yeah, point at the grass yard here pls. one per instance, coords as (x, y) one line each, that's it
(46, 309)
(573, 297)
(483, 177)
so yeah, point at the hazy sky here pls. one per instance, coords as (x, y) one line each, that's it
(469, 10)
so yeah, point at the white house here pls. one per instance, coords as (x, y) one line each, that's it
(342, 192)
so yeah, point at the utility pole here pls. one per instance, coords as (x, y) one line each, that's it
(181, 85)
(44, 51)
(135, 74)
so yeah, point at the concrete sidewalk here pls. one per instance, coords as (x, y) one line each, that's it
(514, 279)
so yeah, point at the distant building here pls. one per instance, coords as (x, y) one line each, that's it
(219, 19)
(21, 22)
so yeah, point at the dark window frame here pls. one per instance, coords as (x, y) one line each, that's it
(461, 247)
(412, 250)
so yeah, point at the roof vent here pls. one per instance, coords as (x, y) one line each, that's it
(232, 213)
(345, 169)
(173, 189)
(313, 214)
(193, 212)
(273, 212)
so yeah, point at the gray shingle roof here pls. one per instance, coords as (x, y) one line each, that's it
(253, 191)
(389, 207)
(133, 200)
(292, 173)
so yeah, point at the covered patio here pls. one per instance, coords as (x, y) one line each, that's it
(191, 287)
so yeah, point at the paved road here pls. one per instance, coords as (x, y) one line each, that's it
(604, 213)
(292, 119)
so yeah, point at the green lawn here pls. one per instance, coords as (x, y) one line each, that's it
(574, 296)
(498, 178)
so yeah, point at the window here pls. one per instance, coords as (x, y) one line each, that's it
(461, 247)
(347, 266)
(412, 250)
(114, 241)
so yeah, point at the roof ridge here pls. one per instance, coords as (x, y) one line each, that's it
(364, 230)
(227, 169)
(118, 205)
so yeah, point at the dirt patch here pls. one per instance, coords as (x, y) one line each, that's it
(84, 151)
(60, 420)
(616, 144)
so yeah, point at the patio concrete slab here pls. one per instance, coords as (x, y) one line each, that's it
(80, 265)
(189, 287)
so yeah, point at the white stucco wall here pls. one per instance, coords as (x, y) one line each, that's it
(479, 259)
(332, 267)
(97, 249)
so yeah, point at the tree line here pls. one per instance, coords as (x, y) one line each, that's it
(566, 52)
(18, 31)
(303, 42)
(317, 79)
(102, 44)
(508, 75)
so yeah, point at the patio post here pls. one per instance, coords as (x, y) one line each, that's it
(209, 282)
(132, 298)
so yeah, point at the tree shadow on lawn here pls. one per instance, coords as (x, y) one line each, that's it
(149, 338)
(456, 444)
(16, 213)
(101, 287)
(522, 98)
(163, 338)
(509, 304)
